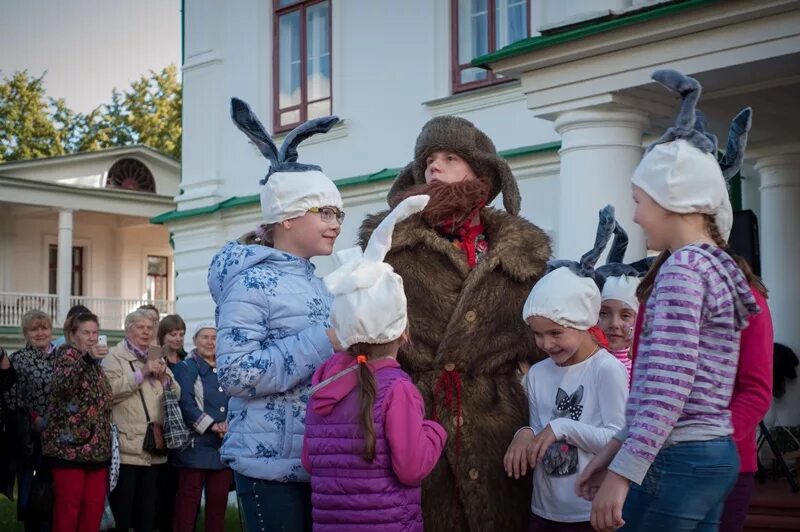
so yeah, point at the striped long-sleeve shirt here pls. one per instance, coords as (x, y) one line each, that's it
(686, 361)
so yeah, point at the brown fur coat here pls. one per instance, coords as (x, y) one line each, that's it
(470, 320)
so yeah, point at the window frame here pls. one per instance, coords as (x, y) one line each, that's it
(301, 6)
(149, 275)
(455, 67)
(78, 270)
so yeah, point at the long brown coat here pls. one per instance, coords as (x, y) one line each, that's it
(469, 323)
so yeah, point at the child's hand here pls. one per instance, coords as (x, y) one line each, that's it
(607, 505)
(515, 461)
(539, 445)
(595, 471)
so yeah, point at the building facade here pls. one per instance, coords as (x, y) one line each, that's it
(567, 99)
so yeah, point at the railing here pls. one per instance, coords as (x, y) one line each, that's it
(110, 310)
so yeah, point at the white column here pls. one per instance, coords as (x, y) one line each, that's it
(64, 268)
(600, 148)
(780, 259)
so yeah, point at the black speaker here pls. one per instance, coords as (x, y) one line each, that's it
(744, 238)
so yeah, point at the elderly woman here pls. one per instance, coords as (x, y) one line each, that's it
(204, 407)
(27, 403)
(137, 384)
(77, 439)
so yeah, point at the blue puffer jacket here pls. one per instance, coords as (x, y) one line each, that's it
(272, 313)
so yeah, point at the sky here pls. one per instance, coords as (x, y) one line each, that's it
(88, 47)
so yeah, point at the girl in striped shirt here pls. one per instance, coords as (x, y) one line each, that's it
(675, 462)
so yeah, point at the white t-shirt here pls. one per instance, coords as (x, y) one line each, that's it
(585, 406)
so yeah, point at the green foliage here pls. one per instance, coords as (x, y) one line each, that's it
(32, 125)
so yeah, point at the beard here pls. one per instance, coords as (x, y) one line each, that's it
(450, 203)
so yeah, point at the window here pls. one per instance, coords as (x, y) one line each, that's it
(77, 270)
(130, 174)
(157, 277)
(480, 27)
(301, 61)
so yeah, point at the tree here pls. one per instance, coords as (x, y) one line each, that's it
(31, 124)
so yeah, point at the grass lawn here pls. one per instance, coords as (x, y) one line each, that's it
(9, 523)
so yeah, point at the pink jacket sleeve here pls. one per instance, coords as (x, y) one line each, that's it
(415, 443)
(304, 458)
(752, 393)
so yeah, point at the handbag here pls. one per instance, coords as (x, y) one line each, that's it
(40, 500)
(175, 431)
(154, 442)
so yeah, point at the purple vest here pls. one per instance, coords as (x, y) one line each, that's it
(347, 492)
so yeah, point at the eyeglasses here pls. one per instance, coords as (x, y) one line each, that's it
(328, 214)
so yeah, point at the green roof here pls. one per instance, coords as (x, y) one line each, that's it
(381, 175)
(588, 29)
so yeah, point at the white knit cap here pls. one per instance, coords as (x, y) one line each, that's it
(684, 179)
(565, 298)
(288, 195)
(201, 326)
(369, 304)
(622, 288)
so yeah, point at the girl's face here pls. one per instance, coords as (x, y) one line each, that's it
(309, 236)
(617, 320)
(86, 336)
(39, 336)
(174, 339)
(206, 343)
(654, 219)
(559, 342)
(447, 167)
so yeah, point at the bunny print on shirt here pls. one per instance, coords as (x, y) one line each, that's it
(561, 458)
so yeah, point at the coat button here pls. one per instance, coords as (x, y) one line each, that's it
(222, 409)
(470, 316)
(458, 421)
(473, 474)
(220, 388)
(449, 366)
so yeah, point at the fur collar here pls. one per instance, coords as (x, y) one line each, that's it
(517, 246)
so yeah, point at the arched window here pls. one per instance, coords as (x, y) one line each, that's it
(131, 174)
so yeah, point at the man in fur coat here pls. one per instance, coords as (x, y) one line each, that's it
(467, 269)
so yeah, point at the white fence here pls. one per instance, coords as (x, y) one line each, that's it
(110, 310)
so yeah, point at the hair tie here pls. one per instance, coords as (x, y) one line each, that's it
(361, 359)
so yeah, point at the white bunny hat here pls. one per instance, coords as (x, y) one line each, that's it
(369, 304)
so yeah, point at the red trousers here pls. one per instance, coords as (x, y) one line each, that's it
(190, 487)
(79, 497)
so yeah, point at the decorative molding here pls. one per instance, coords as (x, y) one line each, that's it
(477, 99)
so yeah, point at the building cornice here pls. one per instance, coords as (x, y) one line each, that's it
(381, 176)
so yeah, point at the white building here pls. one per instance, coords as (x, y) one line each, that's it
(569, 103)
(76, 229)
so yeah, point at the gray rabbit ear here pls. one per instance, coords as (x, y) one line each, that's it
(560, 395)
(577, 396)
(605, 228)
(246, 120)
(323, 124)
(684, 128)
(619, 246)
(731, 162)
(701, 125)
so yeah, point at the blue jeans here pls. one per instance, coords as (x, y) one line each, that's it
(684, 489)
(266, 505)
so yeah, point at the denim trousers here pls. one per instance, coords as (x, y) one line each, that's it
(684, 489)
(266, 505)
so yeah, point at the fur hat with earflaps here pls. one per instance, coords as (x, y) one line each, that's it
(290, 188)
(459, 136)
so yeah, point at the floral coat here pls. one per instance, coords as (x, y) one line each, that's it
(79, 412)
(272, 315)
